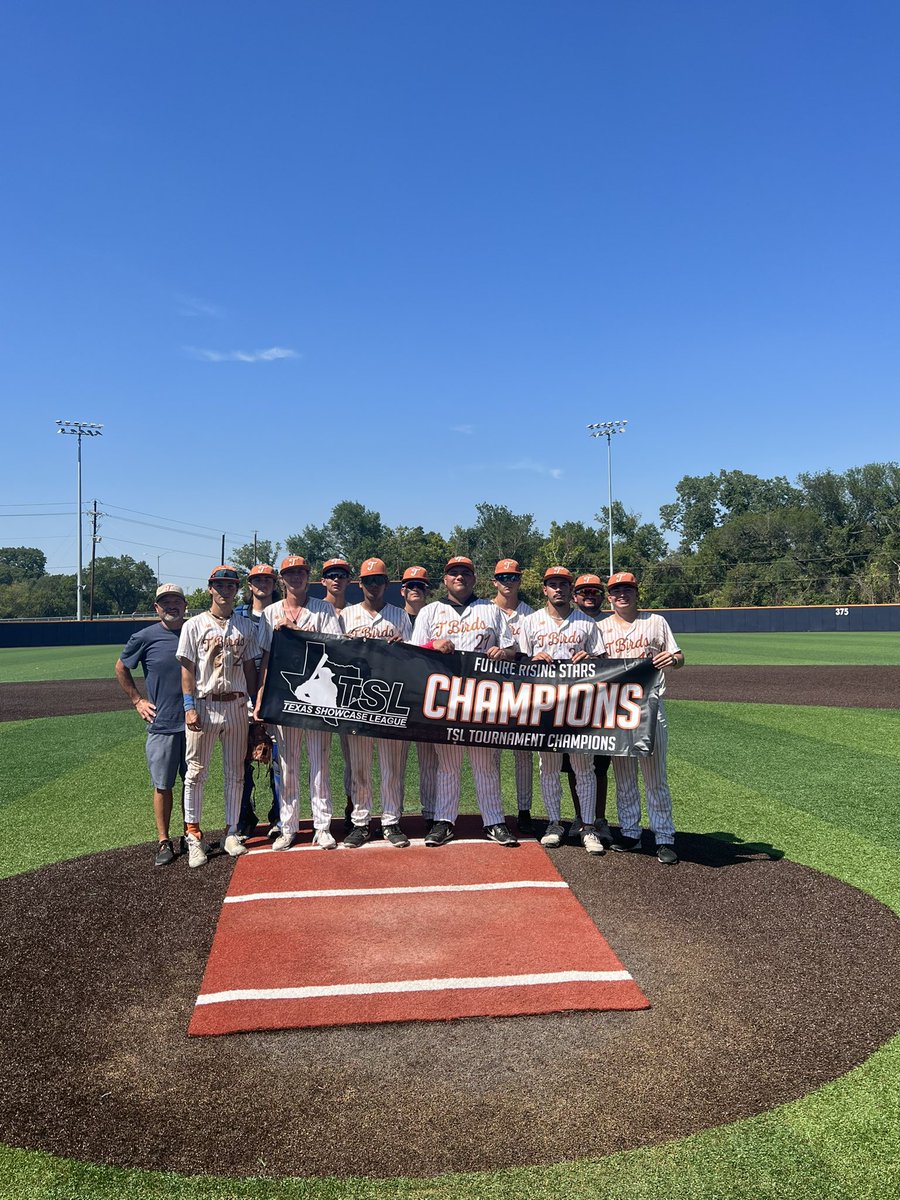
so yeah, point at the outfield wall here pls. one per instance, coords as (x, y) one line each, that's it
(812, 619)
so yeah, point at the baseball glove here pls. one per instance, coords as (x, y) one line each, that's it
(259, 743)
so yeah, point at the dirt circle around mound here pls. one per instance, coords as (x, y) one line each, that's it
(766, 980)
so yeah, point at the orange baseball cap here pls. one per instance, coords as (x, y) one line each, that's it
(372, 566)
(335, 564)
(224, 572)
(623, 578)
(557, 573)
(507, 566)
(294, 560)
(261, 569)
(587, 581)
(460, 560)
(415, 573)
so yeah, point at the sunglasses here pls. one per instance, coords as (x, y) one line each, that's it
(374, 580)
(507, 577)
(335, 575)
(583, 591)
(416, 587)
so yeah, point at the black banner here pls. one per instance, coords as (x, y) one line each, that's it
(360, 685)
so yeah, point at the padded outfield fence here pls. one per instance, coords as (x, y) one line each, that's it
(814, 618)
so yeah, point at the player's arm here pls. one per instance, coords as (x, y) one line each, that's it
(188, 690)
(145, 710)
(505, 648)
(670, 656)
(261, 684)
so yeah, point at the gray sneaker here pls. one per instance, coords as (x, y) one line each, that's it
(591, 841)
(234, 845)
(196, 853)
(554, 835)
(165, 854)
(358, 836)
(395, 835)
(324, 840)
(284, 841)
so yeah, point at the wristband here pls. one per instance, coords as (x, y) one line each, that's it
(188, 702)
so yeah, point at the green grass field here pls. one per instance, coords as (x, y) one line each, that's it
(818, 784)
(798, 649)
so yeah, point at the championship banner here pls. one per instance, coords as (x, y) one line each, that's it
(392, 690)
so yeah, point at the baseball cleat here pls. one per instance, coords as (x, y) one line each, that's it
(666, 855)
(324, 840)
(234, 845)
(439, 834)
(603, 831)
(358, 836)
(591, 842)
(575, 832)
(554, 835)
(524, 823)
(284, 841)
(164, 854)
(247, 824)
(395, 835)
(500, 834)
(348, 816)
(196, 852)
(625, 845)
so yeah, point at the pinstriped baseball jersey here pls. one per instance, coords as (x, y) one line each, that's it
(391, 621)
(648, 634)
(316, 616)
(540, 633)
(478, 626)
(514, 619)
(218, 649)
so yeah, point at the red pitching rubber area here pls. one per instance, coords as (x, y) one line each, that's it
(312, 937)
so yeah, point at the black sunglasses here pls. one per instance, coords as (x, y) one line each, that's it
(416, 586)
(336, 575)
(374, 580)
(507, 578)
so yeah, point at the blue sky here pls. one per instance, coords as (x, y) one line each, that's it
(403, 252)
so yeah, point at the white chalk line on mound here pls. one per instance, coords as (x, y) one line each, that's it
(326, 893)
(414, 985)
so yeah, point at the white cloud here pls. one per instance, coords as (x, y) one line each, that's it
(468, 430)
(528, 464)
(243, 356)
(193, 306)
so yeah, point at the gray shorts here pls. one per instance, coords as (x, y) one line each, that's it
(165, 758)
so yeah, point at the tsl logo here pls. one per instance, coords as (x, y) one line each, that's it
(337, 691)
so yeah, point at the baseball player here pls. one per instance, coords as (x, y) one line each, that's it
(507, 581)
(261, 592)
(373, 618)
(298, 610)
(335, 577)
(558, 632)
(414, 589)
(463, 622)
(217, 652)
(587, 595)
(630, 633)
(153, 649)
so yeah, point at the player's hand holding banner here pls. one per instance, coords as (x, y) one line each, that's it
(357, 685)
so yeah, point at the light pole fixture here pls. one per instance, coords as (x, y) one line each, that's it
(607, 429)
(79, 429)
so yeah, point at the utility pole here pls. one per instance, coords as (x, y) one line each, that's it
(94, 541)
(255, 557)
(79, 429)
(222, 558)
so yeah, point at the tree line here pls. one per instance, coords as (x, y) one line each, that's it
(828, 538)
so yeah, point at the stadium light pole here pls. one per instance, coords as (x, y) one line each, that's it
(79, 429)
(607, 429)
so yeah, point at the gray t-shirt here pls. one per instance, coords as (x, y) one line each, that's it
(153, 649)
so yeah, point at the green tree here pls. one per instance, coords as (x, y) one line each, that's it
(123, 585)
(497, 533)
(352, 531)
(266, 552)
(21, 562)
(408, 546)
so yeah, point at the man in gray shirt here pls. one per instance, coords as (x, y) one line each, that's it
(153, 649)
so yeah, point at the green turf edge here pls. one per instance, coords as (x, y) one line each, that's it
(813, 1147)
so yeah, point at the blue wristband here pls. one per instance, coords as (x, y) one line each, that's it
(188, 702)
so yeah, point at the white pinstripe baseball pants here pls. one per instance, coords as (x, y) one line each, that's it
(392, 768)
(318, 748)
(551, 784)
(524, 767)
(659, 798)
(225, 721)
(487, 783)
(426, 754)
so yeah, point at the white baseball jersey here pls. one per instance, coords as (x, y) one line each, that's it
(647, 635)
(217, 649)
(514, 619)
(392, 621)
(540, 633)
(316, 616)
(477, 626)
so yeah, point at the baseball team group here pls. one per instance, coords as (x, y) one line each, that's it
(205, 677)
